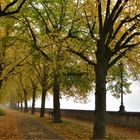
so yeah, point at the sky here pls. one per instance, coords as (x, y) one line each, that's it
(131, 101)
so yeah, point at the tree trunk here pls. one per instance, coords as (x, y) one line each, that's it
(33, 101)
(1, 75)
(56, 101)
(100, 100)
(43, 98)
(1, 83)
(21, 106)
(26, 104)
(18, 105)
(25, 101)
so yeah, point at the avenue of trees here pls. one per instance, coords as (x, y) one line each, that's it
(67, 47)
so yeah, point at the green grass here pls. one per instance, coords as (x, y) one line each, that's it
(2, 112)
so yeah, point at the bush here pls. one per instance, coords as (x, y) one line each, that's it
(2, 112)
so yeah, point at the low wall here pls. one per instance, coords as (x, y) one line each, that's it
(78, 114)
(129, 119)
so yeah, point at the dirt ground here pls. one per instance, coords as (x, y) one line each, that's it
(8, 127)
(23, 126)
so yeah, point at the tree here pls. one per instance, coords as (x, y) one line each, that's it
(45, 82)
(26, 87)
(5, 10)
(34, 83)
(114, 80)
(12, 54)
(51, 25)
(133, 62)
(41, 71)
(99, 32)
(114, 31)
(77, 80)
(55, 21)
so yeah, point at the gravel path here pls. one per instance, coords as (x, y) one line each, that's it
(21, 126)
(31, 128)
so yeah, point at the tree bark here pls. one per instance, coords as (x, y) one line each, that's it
(100, 97)
(21, 106)
(56, 100)
(33, 101)
(1, 83)
(18, 105)
(43, 99)
(25, 101)
(1, 75)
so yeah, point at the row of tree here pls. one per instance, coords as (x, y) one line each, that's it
(67, 46)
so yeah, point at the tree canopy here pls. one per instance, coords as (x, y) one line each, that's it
(80, 43)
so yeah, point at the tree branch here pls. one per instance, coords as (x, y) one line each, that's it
(43, 19)
(91, 28)
(129, 38)
(100, 17)
(10, 5)
(123, 37)
(107, 13)
(127, 48)
(108, 29)
(126, 20)
(4, 13)
(35, 41)
(50, 20)
(82, 56)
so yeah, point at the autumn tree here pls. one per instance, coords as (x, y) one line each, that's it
(12, 93)
(45, 79)
(8, 8)
(114, 29)
(118, 73)
(133, 62)
(55, 23)
(77, 79)
(99, 32)
(34, 82)
(12, 54)
(49, 29)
